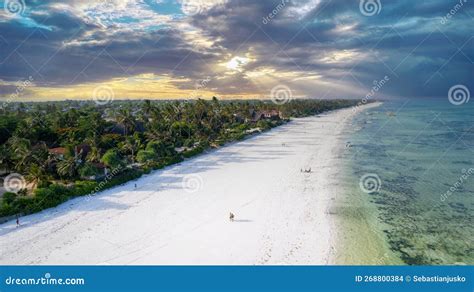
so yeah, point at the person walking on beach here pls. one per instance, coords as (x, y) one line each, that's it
(231, 217)
(17, 220)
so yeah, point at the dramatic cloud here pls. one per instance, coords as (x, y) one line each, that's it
(166, 48)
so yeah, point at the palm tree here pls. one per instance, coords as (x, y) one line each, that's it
(21, 149)
(147, 108)
(131, 144)
(94, 154)
(69, 165)
(39, 154)
(36, 175)
(126, 119)
(5, 159)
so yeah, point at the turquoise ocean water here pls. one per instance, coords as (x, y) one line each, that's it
(410, 184)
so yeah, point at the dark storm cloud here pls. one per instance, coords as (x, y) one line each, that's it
(407, 41)
(62, 49)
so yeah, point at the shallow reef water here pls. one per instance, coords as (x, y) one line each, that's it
(422, 153)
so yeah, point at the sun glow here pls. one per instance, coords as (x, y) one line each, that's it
(237, 63)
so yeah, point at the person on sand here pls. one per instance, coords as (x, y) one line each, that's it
(17, 220)
(231, 217)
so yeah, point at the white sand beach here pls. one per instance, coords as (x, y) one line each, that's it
(281, 213)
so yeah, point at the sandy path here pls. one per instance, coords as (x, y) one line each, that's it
(281, 213)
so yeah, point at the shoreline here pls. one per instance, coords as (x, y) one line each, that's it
(353, 215)
(336, 191)
(282, 214)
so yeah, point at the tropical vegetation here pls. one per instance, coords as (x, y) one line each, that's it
(75, 148)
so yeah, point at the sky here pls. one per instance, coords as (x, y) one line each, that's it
(167, 49)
